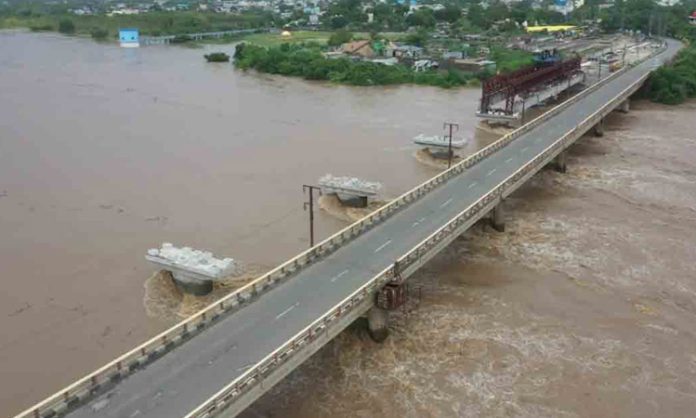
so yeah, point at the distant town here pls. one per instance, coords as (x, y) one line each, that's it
(445, 43)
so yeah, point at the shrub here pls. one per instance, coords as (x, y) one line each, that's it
(307, 61)
(676, 83)
(217, 57)
(66, 26)
(340, 37)
(99, 34)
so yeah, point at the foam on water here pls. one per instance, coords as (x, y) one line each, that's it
(583, 307)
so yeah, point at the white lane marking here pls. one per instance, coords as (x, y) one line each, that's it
(473, 183)
(418, 222)
(137, 412)
(285, 312)
(382, 246)
(525, 149)
(508, 160)
(491, 172)
(446, 203)
(339, 275)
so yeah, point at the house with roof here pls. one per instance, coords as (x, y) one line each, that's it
(358, 48)
(692, 18)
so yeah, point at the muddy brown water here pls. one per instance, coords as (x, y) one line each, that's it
(582, 308)
(106, 152)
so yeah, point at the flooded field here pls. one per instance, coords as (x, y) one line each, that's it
(583, 307)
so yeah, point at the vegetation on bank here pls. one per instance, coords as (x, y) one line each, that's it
(307, 61)
(217, 57)
(676, 83)
(150, 24)
(510, 59)
(335, 38)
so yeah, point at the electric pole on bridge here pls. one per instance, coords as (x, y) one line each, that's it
(310, 205)
(452, 129)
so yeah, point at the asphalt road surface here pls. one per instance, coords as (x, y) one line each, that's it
(183, 379)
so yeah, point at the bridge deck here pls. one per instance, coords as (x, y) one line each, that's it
(184, 378)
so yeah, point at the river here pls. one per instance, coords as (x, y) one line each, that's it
(583, 307)
(106, 152)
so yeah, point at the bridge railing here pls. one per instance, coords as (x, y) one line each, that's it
(157, 346)
(277, 358)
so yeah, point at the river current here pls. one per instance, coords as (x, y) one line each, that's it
(583, 307)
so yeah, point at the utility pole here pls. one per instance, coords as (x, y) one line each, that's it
(451, 126)
(310, 205)
(524, 102)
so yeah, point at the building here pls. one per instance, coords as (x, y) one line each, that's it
(358, 48)
(692, 18)
(129, 37)
(405, 51)
(473, 65)
(453, 55)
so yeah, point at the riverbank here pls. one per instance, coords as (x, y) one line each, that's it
(676, 83)
(149, 24)
(308, 62)
(583, 307)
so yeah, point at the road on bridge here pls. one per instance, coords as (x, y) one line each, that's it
(177, 383)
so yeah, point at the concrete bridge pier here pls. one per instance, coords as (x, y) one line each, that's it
(378, 324)
(497, 218)
(599, 128)
(625, 107)
(559, 163)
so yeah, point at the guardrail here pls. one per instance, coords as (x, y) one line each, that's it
(277, 358)
(111, 373)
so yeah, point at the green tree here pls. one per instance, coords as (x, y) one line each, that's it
(451, 13)
(338, 22)
(340, 37)
(66, 26)
(418, 38)
(478, 17)
(99, 34)
(422, 18)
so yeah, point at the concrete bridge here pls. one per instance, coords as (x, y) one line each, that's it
(224, 357)
(198, 36)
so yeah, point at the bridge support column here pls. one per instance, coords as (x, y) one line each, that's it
(378, 324)
(559, 163)
(625, 107)
(599, 128)
(497, 219)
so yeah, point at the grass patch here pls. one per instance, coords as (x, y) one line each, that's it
(511, 59)
(267, 40)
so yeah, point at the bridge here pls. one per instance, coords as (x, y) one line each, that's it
(197, 36)
(224, 357)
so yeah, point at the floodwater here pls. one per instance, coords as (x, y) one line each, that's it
(106, 152)
(584, 307)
